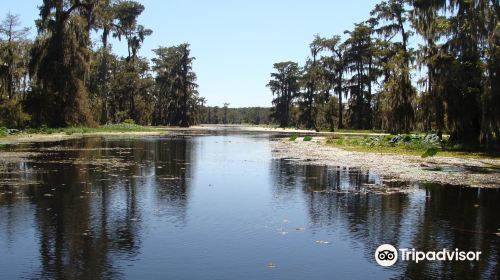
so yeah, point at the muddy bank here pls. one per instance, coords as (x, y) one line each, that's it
(482, 173)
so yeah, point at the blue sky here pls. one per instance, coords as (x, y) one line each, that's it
(235, 42)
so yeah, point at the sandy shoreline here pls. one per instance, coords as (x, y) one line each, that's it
(446, 170)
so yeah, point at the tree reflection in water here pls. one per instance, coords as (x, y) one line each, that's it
(85, 225)
(106, 208)
(430, 218)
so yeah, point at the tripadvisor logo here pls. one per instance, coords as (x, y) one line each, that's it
(387, 255)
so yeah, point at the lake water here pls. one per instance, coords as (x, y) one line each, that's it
(220, 207)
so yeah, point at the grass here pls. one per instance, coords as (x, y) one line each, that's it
(358, 131)
(122, 127)
(3, 132)
(411, 144)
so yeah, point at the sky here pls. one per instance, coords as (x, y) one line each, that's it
(235, 43)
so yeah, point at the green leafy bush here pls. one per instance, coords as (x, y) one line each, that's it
(293, 138)
(388, 138)
(430, 152)
(407, 138)
(12, 115)
(3, 131)
(307, 138)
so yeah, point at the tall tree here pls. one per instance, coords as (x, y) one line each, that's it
(463, 70)
(432, 27)
(490, 119)
(284, 86)
(359, 59)
(177, 95)
(126, 14)
(226, 107)
(13, 40)
(391, 18)
(310, 80)
(104, 20)
(131, 90)
(60, 59)
(336, 67)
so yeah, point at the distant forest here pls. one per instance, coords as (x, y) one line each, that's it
(226, 115)
(371, 78)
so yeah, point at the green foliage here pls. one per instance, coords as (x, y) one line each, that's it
(293, 138)
(12, 115)
(307, 138)
(359, 54)
(179, 103)
(14, 49)
(247, 115)
(121, 127)
(284, 86)
(59, 80)
(3, 131)
(67, 75)
(59, 61)
(129, 121)
(430, 152)
(460, 92)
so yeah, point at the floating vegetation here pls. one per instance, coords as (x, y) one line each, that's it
(168, 178)
(109, 162)
(63, 148)
(17, 182)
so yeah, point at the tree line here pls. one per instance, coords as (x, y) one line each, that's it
(63, 78)
(227, 115)
(371, 78)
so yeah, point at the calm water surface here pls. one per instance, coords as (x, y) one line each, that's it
(220, 207)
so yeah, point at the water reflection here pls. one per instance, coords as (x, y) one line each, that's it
(429, 218)
(88, 203)
(221, 208)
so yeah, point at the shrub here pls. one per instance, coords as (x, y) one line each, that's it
(430, 152)
(293, 138)
(388, 138)
(307, 138)
(129, 121)
(407, 138)
(12, 115)
(3, 131)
